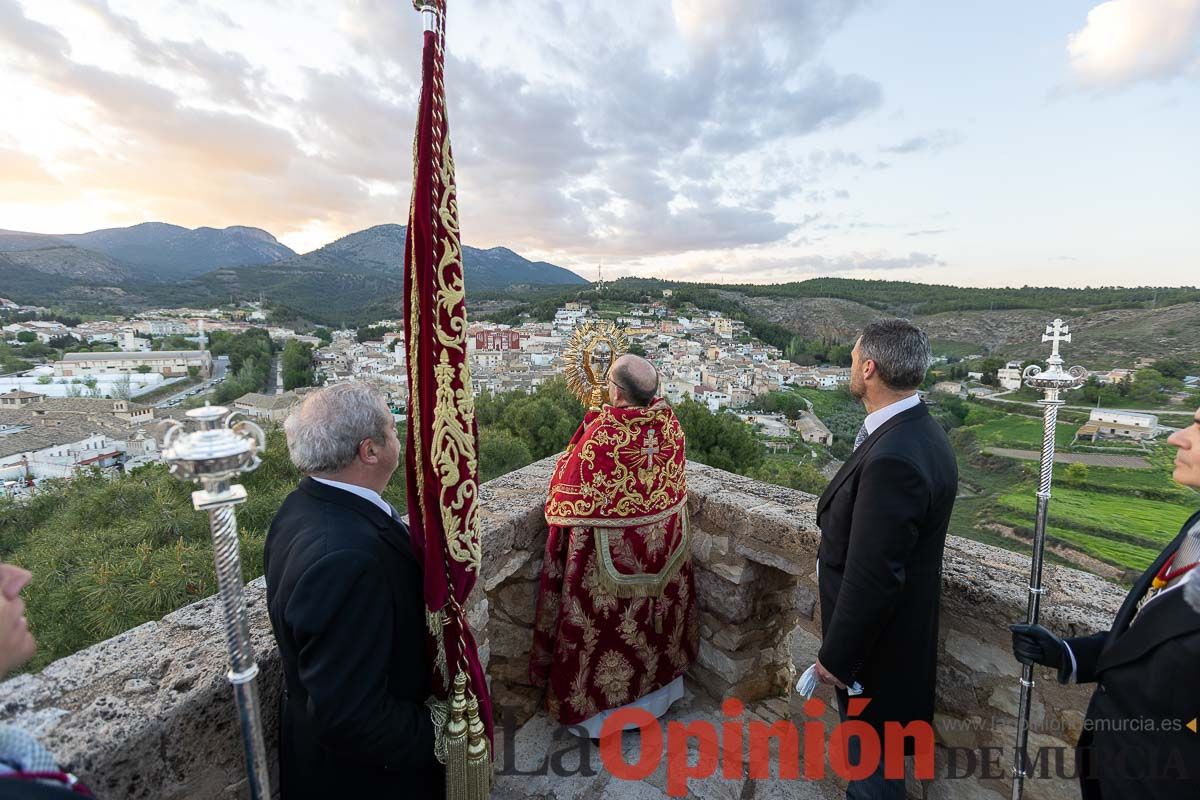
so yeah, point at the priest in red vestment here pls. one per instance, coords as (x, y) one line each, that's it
(616, 616)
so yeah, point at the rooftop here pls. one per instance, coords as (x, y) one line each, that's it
(152, 354)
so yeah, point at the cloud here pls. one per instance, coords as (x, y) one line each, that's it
(933, 142)
(930, 232)
(1128, 41)
(667, 132)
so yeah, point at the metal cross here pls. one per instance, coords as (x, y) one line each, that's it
(651, 448)
(1056, 332)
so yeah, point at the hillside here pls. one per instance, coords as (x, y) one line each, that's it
(68, 262)
(380, 249)
(163, 252)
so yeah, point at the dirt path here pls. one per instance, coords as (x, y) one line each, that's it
(1090, 459)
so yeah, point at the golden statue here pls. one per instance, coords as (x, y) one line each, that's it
(593, 348)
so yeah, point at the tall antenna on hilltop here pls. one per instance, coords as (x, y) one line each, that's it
(600, 276)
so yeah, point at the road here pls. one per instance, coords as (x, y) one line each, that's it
(220, 367)
(1183, 410)
(274, 377)
(1090, 459)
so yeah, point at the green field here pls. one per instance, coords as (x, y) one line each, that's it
(1151, 520)
(1112, 551)
(1024, 433)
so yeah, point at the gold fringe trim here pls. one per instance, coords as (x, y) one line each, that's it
(456, 742)
(479, 761)
(468, 762)
(641, 584)
(616, 522)
(435, 622)
(439, 712)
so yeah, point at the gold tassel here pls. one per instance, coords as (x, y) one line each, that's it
(479, 762)
(456, 742)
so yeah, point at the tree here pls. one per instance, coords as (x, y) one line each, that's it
(25, 337)
(297, 365)
(122, 388)
(1076, 473)
(500, 453)
(637, 349)
(144, 369)
(719, 440)
(800, 475)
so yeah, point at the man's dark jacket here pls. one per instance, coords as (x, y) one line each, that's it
(1136, 743)
(344, 593)
(883, 522)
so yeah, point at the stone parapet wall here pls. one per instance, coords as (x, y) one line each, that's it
(148, 714)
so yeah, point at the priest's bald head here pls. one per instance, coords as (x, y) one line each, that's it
(632, 381)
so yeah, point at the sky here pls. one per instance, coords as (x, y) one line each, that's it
(1033, 142)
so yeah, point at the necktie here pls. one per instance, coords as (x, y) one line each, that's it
(861, 437)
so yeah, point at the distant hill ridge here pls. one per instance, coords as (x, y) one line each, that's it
(163, 253)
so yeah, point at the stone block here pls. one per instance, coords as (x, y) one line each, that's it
(803, 648)
(731, 667)
(737, 571)
(1007, 698)
(508, 640)
(513, 563)
(785, 560)
(517, 600)
(979, 655)
(955, 689)
(701, 547)
(728, 602)
(733, 636)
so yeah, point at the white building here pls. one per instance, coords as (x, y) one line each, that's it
(1105, 423)
(1010, 376)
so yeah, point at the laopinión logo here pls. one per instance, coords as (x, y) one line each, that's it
(741, 749)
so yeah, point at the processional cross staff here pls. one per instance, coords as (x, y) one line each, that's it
(1051, 381)
(213, 453)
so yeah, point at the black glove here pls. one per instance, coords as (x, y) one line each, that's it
(1033, 644)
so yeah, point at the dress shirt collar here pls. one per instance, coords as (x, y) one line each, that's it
(882, 415)
(361, 491)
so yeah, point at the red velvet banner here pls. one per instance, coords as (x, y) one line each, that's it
(442, 441)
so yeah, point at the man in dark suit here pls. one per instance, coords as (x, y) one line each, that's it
(883, 521)
(1136, 741)
(344, 593)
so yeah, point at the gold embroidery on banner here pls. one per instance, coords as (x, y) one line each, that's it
(613, 674)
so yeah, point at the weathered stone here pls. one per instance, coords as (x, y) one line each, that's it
(803, 648)
(955, 689)
(1007, 698)
(728, 602)
(732, 668)
(778, 558)
(508, 640)
(958, 731)
(510, 567)
(701, 546)
(979, 655)
(517, 600)
(736, 572)
(732, 637)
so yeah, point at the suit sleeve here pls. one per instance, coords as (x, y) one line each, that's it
(344, 628)
(1086, 652)
(892, 496)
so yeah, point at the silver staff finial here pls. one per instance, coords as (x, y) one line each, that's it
(1052, 382)
(215, 451)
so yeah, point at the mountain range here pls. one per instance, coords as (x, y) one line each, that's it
(158, 263)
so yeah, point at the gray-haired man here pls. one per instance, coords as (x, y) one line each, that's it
(883, 522)
(344, 594)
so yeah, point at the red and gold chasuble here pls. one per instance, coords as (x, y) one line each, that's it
(616, 617)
